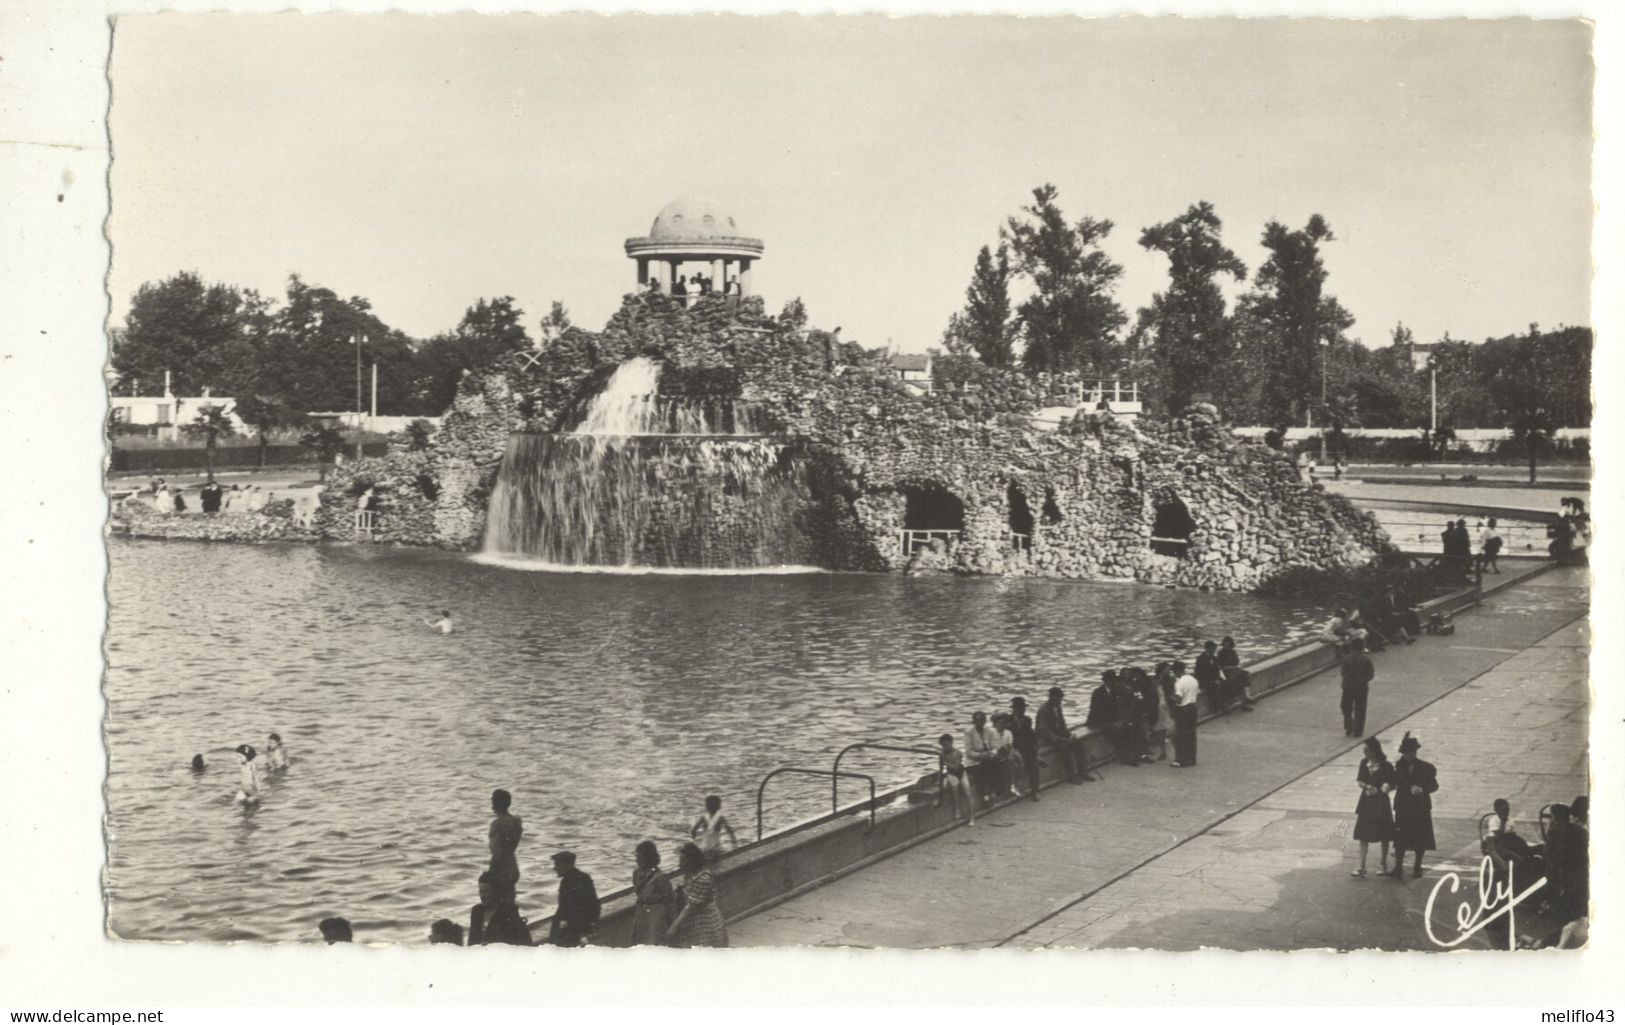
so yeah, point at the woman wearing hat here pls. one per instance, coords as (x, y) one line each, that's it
(1413, 781)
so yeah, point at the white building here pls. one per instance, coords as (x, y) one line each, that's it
(167, 412)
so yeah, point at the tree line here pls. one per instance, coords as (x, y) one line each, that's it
(1280, 356)
(282, 359)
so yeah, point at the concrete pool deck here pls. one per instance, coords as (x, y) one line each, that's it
(1251, 849)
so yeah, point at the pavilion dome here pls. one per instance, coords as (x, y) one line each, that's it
(693, 219)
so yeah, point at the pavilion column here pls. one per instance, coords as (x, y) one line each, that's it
(719, 277)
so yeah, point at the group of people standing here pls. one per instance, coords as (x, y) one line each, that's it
(1458, 548)
(1395, 806)
(213, 498)
(1139, 710)
(1136, 709)
(699, 284)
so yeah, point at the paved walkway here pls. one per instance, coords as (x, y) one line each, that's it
(1251, 849)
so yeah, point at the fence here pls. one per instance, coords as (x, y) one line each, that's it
(913, 540)
(228, 457)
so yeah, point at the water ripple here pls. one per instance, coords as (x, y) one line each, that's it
(609, 705)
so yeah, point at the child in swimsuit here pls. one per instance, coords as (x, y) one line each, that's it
(248, 776)
(953, 766)
(708, 827)
(276, 756)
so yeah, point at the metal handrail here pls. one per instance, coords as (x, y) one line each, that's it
(835, 781)
(813, 772)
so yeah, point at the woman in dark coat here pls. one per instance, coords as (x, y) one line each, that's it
(1414, 781)
(1373, 816)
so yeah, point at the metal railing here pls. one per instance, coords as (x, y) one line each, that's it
(366, 522)
(1020, 542)
(834, 807)
(835, 780)
(912, 539)
(1093, 392)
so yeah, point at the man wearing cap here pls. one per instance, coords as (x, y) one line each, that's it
(1414, 781)
(579, 908)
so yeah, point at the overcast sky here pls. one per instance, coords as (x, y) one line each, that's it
(426, 162)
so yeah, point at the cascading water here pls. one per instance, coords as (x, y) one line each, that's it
(644, 481)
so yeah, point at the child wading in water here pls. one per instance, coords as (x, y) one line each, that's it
(953, 766)
(708, 828)
(276, 756)
(441, 625)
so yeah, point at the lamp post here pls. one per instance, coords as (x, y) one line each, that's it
(1325, 358)
(359, 339)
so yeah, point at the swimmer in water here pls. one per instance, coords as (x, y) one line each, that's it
(443, 624)
(248, 776)
(276, 756)
(197, 763)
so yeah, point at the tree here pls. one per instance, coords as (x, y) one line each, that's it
(211, 424)
(199, 334)
(1528, 380)
(1071, 321)
(488, 330)
(1294, 317)
(984, 328)
(1185, 332)
(265, 413)
(322, 440)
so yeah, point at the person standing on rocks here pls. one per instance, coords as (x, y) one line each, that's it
(1414, 784)
(1025, 741)
(1183, 709)
(1358, 673)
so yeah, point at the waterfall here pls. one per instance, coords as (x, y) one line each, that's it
(645, 481)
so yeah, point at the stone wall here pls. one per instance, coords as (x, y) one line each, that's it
(278, 521)
(1094, 488)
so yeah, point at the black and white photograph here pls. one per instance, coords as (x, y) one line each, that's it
(842, 482)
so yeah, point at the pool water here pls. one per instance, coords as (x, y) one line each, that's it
(610, 705)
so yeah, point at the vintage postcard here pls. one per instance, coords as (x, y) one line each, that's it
(897, 483)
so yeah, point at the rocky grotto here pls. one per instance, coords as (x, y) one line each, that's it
(847, 456)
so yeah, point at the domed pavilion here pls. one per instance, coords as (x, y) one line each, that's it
(695, 232)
